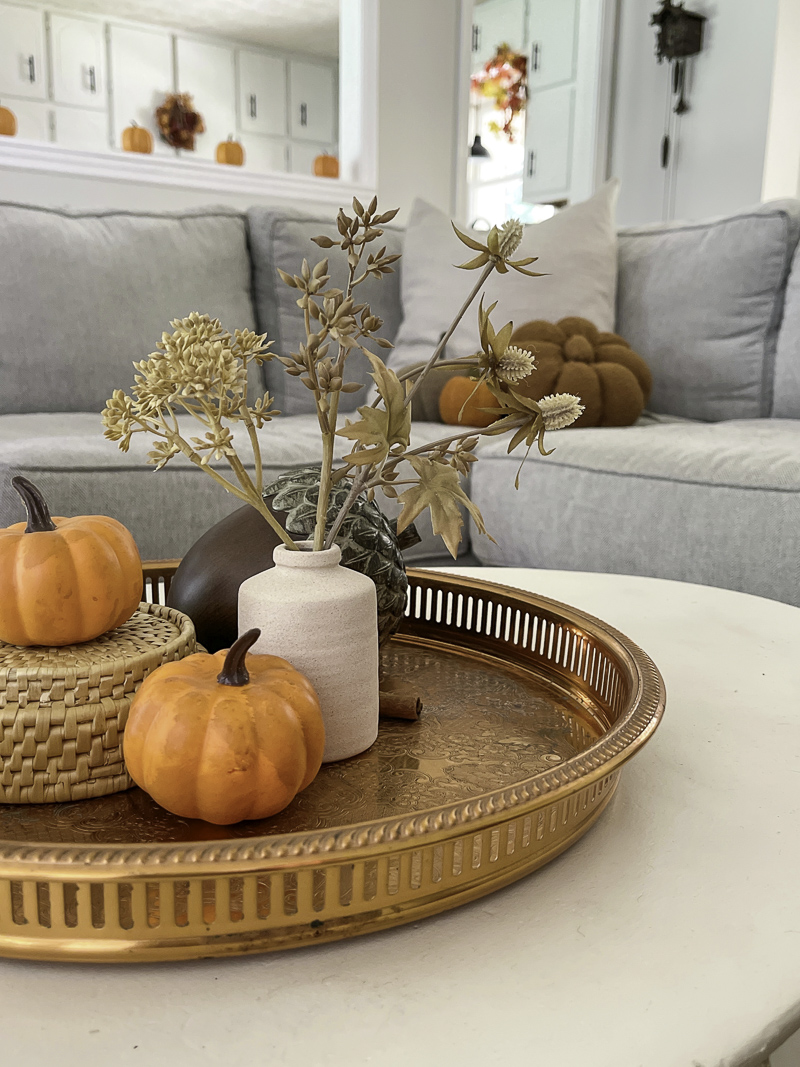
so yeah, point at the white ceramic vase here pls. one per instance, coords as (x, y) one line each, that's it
(323, 618)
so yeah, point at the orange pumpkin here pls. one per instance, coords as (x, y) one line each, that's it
(230, 152)
(326, 166)
(137, 139)
(8, 122)
(461, 393)
(210, 739)
(65, 581)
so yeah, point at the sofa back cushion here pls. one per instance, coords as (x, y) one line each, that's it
(84, 294)
(786, 403)
(280, 238)
(702, 302)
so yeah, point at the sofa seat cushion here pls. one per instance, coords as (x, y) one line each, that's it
(84, 294)
(80, 472)
(717, 504)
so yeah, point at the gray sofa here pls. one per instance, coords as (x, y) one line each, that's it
(705, 488)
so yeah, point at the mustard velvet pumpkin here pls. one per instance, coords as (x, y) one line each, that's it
(230, 152)
(8, 122)
(212, 737)
(573, 356)
(65, 581)
(137, 139)
(460, 392)
(326, 166)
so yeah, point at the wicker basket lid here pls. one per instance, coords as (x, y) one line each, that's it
(153, 632)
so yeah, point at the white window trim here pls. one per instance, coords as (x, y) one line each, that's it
(357, 140)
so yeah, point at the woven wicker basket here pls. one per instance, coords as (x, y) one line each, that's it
(63, 710)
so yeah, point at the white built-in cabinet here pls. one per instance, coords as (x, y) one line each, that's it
(208, 73)
(141, 66)
(566, 123)
(494, 23)
(23, 66)
(78, 62)
(79, 81)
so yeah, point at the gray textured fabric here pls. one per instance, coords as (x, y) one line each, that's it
(83, 294)
(282, 239)
(702, 302)
(786, 403)
(81, 473)
(713, 504)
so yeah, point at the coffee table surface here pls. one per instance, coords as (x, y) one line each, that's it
(669, 936)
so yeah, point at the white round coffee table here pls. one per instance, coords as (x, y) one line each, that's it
(669, 936)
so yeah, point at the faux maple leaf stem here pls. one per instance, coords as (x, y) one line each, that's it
(487, 270)
(358, 486)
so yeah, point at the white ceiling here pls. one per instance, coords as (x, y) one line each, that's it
(310, 26)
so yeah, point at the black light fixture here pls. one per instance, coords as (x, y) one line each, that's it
(478, 150)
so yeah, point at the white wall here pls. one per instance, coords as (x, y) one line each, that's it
(721, 141)
(782, 163)
(419, 147)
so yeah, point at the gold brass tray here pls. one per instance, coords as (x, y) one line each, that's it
(530, 709)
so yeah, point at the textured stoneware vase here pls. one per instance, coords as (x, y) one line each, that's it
(322, 618)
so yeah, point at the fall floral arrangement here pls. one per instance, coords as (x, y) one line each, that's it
(201, 371)
(504, 80)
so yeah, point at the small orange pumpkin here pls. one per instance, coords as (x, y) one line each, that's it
(461, 393)
(326, 166)
(137, 139)
(230, 152)
(209, 739)
(65, 581)
(8, 122)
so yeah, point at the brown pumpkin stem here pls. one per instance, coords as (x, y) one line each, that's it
(39, 520)
(234, 671)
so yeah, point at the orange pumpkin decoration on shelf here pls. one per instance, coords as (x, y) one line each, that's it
(230, 152)
(460, 392)
(137, 139)
(326, 166)
(573, 356)
(65, 581)
(212, 737)
(8, 122)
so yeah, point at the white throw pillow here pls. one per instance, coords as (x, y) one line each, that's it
(577, 249)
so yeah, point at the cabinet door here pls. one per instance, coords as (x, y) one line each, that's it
(22, 53)
(33, 119)
(494, 23)
(77, 51)
(312, 94)
(262, 93)
(208, 73)
(263, 154)
(552, 31)
(548, 144)
(141, 76)
(81, 127)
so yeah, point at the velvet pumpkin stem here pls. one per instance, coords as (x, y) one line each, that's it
(39, 520)
(234, 671)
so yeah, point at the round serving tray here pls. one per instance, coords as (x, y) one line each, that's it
(530, 710)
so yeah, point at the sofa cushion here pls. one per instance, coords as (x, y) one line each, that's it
(576, 249)
(80, 472)
(786, 401)
(84, 294)
(717, 504)
(280, 238)
(702, 302)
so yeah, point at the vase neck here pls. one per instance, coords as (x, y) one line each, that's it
(305, 559)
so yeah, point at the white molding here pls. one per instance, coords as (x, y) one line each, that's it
(460, 195)
(184, 173)
(358, 95)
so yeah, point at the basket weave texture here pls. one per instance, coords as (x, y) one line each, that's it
(63, 710)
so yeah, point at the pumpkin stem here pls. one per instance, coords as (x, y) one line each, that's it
(39, 520)
(234, 671)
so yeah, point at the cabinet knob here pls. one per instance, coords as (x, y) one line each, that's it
(31, 69)
(253, 106)
(92, 81)
(531, 163)
(536, 56)
(303, 115)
